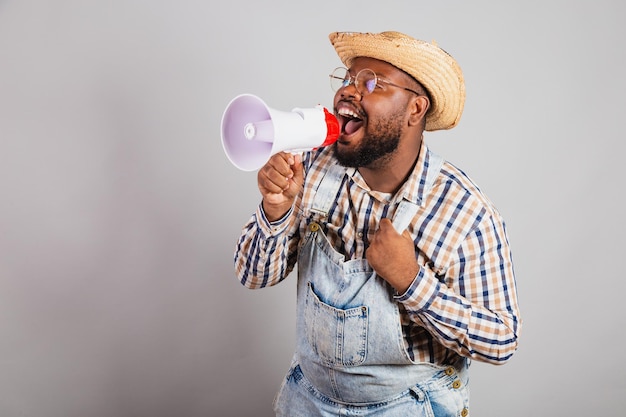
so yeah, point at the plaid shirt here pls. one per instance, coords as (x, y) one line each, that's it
(463, 299)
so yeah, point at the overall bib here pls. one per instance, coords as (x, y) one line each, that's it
(350, 355)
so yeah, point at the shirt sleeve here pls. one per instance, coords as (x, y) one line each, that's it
(471, 309)
(266, 252)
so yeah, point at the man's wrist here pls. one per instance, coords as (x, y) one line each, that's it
(274, 213)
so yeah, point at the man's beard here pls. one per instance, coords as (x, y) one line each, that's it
(375, 148)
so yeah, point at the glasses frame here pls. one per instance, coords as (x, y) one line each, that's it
(345, 82)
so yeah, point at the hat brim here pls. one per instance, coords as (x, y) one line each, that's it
(430, 65)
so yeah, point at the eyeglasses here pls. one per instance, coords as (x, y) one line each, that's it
(365, 81)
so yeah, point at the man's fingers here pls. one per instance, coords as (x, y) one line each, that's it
(386, 227)
(276, 174)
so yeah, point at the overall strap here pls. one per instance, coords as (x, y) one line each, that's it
(434, 163)
(329, 187)
(327, 191)
(408, 209)
(404, 214)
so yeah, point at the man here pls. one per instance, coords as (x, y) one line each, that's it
(404, 268)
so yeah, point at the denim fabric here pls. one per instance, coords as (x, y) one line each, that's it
(434, 397)
(350, 355)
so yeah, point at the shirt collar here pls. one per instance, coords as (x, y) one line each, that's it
(414, 187)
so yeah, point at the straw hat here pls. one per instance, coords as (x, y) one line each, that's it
(433, 67)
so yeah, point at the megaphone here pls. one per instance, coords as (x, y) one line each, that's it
(252, 132)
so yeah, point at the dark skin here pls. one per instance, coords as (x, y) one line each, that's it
(391, 253)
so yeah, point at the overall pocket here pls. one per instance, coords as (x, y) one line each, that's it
(337, 336)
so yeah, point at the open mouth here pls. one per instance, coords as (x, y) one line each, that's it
(350, 120)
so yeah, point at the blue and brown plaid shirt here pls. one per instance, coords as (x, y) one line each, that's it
(463, 299)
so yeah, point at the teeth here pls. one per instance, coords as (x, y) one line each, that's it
(348, 113)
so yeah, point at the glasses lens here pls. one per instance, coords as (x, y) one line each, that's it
(339, 78)
(366, 81)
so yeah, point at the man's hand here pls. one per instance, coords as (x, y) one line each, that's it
(279, 181)
(392, 255)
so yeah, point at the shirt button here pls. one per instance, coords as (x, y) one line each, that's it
(314, 227)
(456, 384)
(449, 370)
(464, 412)
(360, 234)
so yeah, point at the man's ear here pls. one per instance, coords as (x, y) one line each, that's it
(419, 107)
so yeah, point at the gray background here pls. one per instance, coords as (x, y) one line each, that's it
(119, 210)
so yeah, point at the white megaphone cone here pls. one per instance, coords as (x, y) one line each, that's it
(252, 132)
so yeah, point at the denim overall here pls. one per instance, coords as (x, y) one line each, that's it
(350, 356)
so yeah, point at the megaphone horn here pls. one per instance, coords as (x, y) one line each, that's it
(252, 132)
